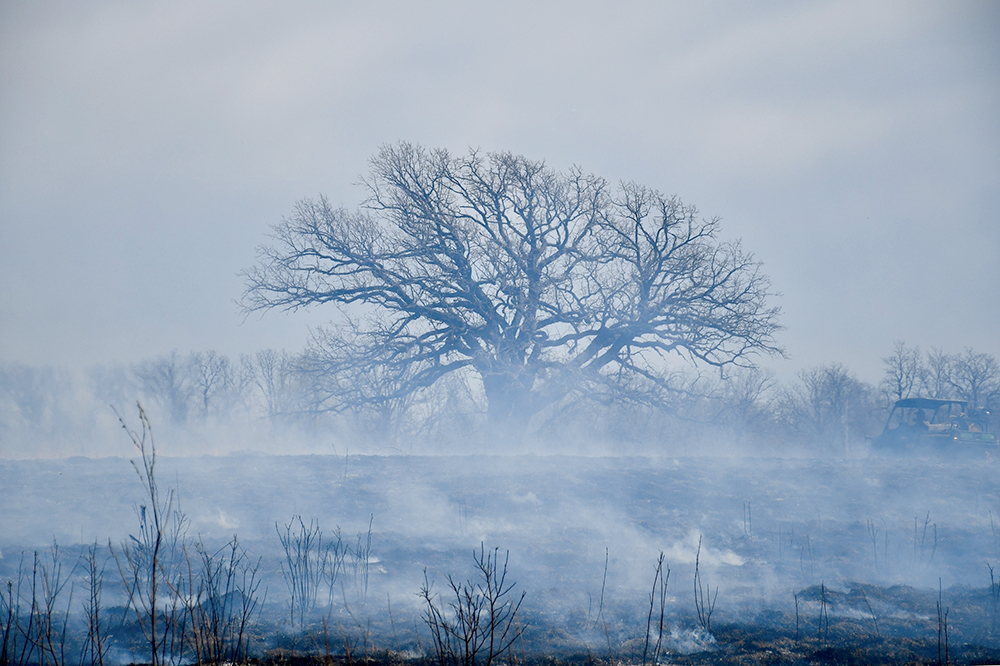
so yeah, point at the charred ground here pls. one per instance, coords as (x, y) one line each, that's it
(813, 560)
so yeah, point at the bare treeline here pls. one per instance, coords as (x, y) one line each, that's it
(55, 409)
(203, 386)
(829, 407)
(47, 411)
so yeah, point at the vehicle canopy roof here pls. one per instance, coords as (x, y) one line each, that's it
(926, 403)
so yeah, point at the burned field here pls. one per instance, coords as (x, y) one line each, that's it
(764, 560)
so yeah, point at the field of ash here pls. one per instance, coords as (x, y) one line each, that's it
(610, 560)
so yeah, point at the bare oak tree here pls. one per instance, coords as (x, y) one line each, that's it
(541, 285)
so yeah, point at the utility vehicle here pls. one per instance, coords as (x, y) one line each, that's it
(929, 424)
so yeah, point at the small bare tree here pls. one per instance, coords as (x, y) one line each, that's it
(167, 381)
(937, 379)
(975, 377)
(904, 372)
(212, 376)
(278, 378)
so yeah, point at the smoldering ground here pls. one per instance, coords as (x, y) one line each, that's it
(781, 541)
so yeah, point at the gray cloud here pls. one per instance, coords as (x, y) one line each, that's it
(145, 149)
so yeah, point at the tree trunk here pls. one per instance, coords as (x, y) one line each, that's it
(509, 405)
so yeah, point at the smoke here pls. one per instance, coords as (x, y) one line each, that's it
(767, 525)
(584, 514)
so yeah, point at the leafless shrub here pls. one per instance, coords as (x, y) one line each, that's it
(823, 623)
(9, 613)
(17, 649)
(920, 542)
(806, 550)
(600, 618)
(795, 595)
(657, 596)
(873, 536)
(95, 643)
(942, 617)
(480, 625)
(364, 625)
(308, 563)
(52, 619)
(220, 600)
(362, 561)
(994, 596)
(604, 584)
(147, 561)
(36, 632)
(704, 604)
(871, 613)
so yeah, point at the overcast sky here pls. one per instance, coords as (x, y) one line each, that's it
(146, 148)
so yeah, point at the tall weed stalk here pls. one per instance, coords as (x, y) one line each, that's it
(147, 561)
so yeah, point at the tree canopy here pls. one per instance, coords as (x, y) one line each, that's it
(542, 286)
